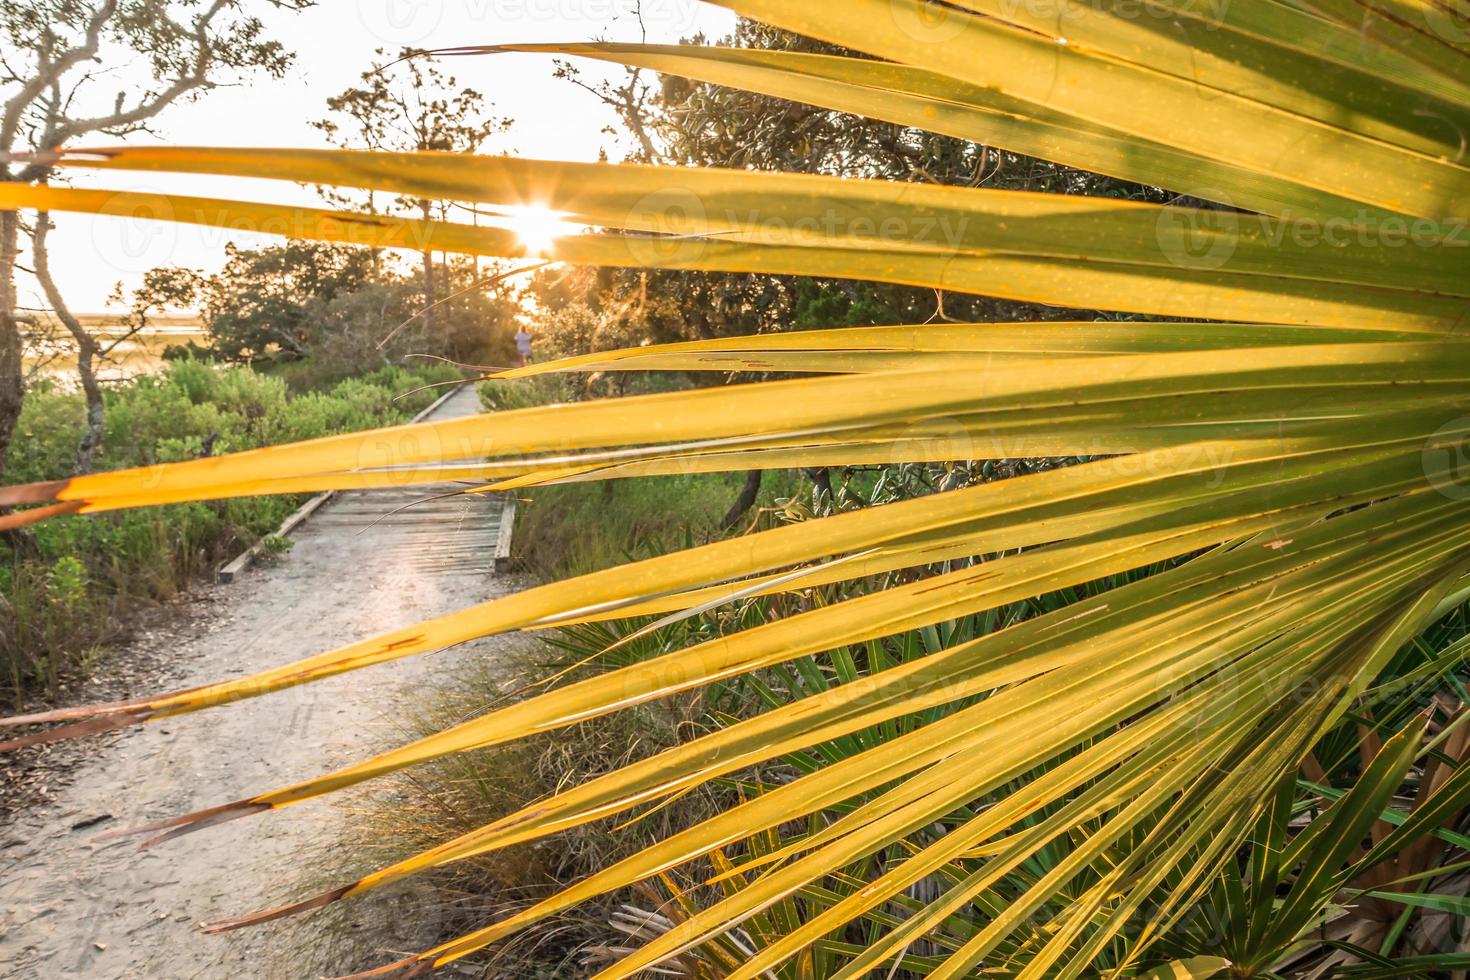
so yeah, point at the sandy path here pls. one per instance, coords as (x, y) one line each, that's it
(72, 908)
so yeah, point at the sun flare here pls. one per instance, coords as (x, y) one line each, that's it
(538, 228)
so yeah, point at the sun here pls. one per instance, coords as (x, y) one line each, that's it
(538, 228)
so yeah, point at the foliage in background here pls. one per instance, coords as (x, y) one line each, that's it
(409, 104)
(77, 69)
(345, 309)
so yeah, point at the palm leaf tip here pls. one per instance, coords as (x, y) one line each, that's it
(28, 495)
(24, 518)
(32, 493)
(414, 966)
(166, 830)
(280, 912)
(95, 724)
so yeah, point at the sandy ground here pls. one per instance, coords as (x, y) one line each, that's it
(72, 908)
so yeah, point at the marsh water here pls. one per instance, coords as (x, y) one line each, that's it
(51, 354)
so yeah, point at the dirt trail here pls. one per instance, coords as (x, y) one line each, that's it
(72, 908)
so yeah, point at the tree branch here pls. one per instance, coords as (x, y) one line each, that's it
(50, 73)
(152, 105)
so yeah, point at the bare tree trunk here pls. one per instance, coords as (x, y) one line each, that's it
(746, 500)
(821, 478)
(88, 350)
(428, 315)
(12, 374)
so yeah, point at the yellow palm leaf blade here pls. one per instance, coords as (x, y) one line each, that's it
(1227, 126)
(1385, 626)
(1137, 627)
(851, 349)
(946, 778)
(1086, 429)
(885, 613)
(1176, 269)
(1039, 965)
(993, 517)
(911, 96)
(928, 746)
(1166, 756)
(1356, 42)
(1430, 34)
(1149, 784)
(737, 208)
(1194, 968)
(961, 733)
(1254, 389)
(911, 532)
(906, 607)
(1219, 692)
(1252, 449)
(1200, 46)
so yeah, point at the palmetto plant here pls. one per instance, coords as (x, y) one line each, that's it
(1119, 762)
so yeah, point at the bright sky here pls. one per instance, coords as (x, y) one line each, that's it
(335, 43)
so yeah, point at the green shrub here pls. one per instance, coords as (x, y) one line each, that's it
(69, 582)
(66, 584)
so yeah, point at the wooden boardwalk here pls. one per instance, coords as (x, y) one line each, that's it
(424, 529)
(434, 533)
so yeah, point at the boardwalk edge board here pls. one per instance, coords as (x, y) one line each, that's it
(240, 563)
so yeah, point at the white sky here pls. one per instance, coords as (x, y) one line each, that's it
(334, 44)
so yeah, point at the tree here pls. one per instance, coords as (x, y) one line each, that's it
(89, 350)
(54, 83)
(262, 306)
(409, 104)
(339, 305)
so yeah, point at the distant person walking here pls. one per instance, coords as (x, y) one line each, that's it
(523, 345)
